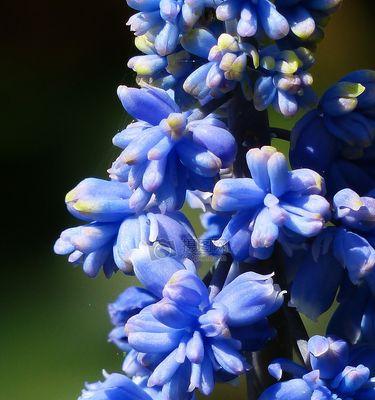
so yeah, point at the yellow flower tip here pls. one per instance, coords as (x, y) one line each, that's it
(70, 196)
(173, 279)
(84, 206)
(319, 182)
(357, 204)
(227, 42)
(269, 149)
(176, 123)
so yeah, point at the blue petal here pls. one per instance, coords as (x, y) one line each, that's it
(278, 172)
(301, 22)
(150, 105)
(99, 200)
(355, 253)
(168, 313)
(264, 92)
(351, 379)
(275, 25)
(257, 160)
(154, 175)
(186, 289)
(195, 83)
(195, 348)
(236, 194)
(228, 357)
(294, 389)
(248, 23)
(199, 160)
(167, 39)
(132, 131)
(144, 5)
(249, 298)
(147, 335)
(328, 355)
(265, 232)
(286, 104)
(346, 321)
(164, 371)
(325, 274)
(147, 65)
(129, 303)
(227, 10)
(217, 140)
(154, 272)
(198, 42)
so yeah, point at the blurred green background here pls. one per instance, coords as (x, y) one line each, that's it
(61, 64)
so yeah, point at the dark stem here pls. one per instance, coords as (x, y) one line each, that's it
(296, 328)
(213, 105)
(280, 133)
(251, 129)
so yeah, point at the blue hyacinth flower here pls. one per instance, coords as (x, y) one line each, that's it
(168, 151)
(165, 20)
(337, 372)
(348, 246)
(115, 230)
(167, 73)
(119, 387)
(153, 270)
(338, 138)
(226, 67)
(129, 303)
(306, 17)
(192, 337)
(275, 204)
(354, 318)
(354, 244)
(284, 82)
(213, 224)
(315, 266)
(254, 16)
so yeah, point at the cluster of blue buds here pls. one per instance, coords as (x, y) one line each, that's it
(337, 372)
(115, 229)
(119, 386)
(227, 64)
(307, 18)
(162, 22)
(337, 139)
(284, 82)
(283, 240)
(167, 152)
(275, 204)
(348, 246)
(192, 337)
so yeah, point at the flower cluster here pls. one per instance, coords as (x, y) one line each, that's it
(274, 204)
(200, 136)
(338, 138)
(198, 57)
(192, 337)
(115, 229)
(167, 152)
(284, 82)
(337, 372)
(347, 246)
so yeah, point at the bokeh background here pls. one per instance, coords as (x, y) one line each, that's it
(60, 66)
